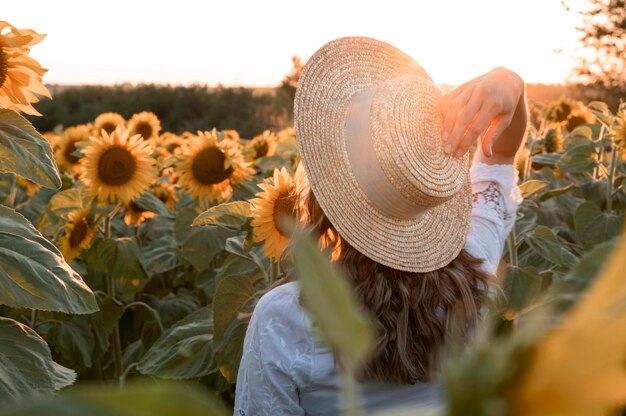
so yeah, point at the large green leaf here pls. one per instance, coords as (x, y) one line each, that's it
(123, 260)
(74, 340)
(328, 297)
(548, 246)
(230, 214)
(185, 350)
(203, 243)
(26, 152)
(103, 322)
(33, 273)
(136, 399)
(521, 286)
(594, 226)
(234, 294)
(150, 202)
(531, 187)
(579, 157)
(26, 365)
(162, 254)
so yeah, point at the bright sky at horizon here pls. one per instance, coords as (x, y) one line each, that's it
(246, 42)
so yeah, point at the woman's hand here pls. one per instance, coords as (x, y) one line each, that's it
(492, 104)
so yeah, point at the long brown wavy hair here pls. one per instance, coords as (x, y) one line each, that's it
(414, 314)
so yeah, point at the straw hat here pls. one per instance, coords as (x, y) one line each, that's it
(368, 129)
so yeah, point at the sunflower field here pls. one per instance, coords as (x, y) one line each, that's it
(128, 254)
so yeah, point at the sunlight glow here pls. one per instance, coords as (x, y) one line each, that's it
(245, 42)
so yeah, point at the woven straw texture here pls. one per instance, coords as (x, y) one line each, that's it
(404, 125)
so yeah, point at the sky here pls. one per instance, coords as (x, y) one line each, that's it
(251, 42)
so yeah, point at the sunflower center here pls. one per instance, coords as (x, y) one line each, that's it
(79, 233)
(4, 65)
(109, 127)
(116, 166)
(69, 150)
(208, 166)
(262, 149)
(145, 129)
(284, 209)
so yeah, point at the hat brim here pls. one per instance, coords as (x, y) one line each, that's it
(329, 80)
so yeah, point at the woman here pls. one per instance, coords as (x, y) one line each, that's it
(388, 189)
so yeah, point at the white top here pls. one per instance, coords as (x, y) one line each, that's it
(287, 370)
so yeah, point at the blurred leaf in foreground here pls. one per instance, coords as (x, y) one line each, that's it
(138, 399)
(579, 368)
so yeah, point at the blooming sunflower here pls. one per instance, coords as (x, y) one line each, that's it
(146, 124)
(580, 115)
(66, 146)
(108, 122)
(208, 166)
(260, 146)
(20, 75)
(231, 135)
(79, 233)
(276, 201)
(117, 166)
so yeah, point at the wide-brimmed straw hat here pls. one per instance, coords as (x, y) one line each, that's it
(368, 125)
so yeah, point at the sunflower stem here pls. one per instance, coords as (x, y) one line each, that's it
(116, 341)
(33, 318)
(512, 246)
(609, 185)
(274, 272)
(596, 173)
(349, 390)
(150, 309)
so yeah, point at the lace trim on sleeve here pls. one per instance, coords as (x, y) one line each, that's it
(491, 198)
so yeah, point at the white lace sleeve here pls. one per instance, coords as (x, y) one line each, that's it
(272, 368)
(495, 198)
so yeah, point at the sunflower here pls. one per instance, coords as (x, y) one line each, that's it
(553, 139)
(135, 214)
(165, 192)
(269, 209)
(117, 167)
(262, 145)
(208, 166)
(146, 124)
(20, 75)
(108, 122)
(78, 234)
(66, 146)
(580, 115)
(231, 135)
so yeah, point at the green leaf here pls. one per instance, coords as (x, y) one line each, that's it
(233, 295)
(521, 286)
(150, 202)
(74, 340)
(103, 322)
(162, 254)
(549, 159)
(579, 157)
(26, 365)
(531, 187)
(123, 260)
(33, 273)
(230, 214)
(183, 351)
(556, 192)
(594, 226)
(548, 246)
(136, 399)
(203, 243)
(26, 152)
(327, 296)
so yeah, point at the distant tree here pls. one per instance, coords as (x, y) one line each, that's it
(290, 81)
(601, 61)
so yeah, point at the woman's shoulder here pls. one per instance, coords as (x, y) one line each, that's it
(280, 308)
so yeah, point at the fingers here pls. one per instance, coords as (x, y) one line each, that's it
(462, 123)
(452, 106)
(494, 131)
(480, 123)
